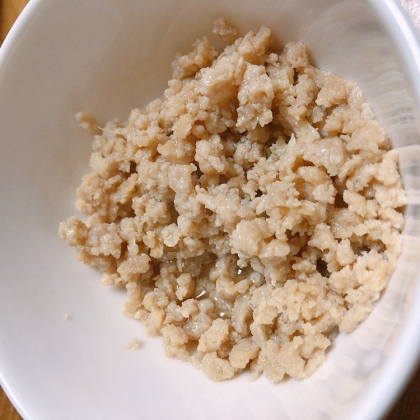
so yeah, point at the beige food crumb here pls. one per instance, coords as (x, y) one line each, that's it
(251, 213)
(88, 123)
(134, 344)
(227, 32)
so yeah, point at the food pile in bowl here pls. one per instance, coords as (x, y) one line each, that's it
(252, 212)
(256, 213)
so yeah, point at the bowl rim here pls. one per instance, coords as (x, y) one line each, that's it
(17, 30)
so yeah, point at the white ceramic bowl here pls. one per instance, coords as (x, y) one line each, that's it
(107, 57)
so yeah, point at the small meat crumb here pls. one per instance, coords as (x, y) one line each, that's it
(88, 123)
(252, 212)
(134, 344)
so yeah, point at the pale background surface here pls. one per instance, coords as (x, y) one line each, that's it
(407, 407)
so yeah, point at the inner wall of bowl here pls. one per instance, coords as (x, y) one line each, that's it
(118, 57)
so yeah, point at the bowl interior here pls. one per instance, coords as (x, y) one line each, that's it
(63, 337)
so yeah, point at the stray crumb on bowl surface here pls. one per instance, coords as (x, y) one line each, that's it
(134, 344)
(252, 212)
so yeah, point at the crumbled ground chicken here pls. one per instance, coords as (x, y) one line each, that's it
(251, 213)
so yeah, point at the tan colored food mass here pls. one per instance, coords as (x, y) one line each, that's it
(252, 212)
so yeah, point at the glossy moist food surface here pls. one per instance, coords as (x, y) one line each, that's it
(251, 213)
